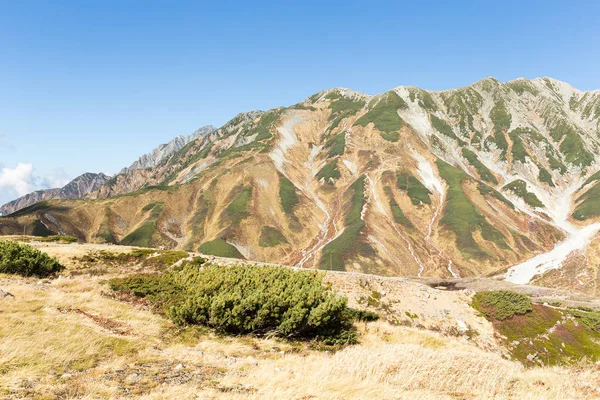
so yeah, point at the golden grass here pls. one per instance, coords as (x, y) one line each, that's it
(42, 338)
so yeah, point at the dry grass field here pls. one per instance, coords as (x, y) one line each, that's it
(69, 338)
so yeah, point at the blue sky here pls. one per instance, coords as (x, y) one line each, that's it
(91, 85)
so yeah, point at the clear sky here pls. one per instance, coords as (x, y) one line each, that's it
(91, 85)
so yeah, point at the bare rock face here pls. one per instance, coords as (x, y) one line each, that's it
(76, 189)
(166, 150)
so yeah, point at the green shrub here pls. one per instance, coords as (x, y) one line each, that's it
(501, 304)
(58, 239)
(25, 260)
(255, 300)
(220, 248)
(270, 237)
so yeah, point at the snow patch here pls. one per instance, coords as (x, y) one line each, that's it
(523, 273)
(351, 166)
(287, 138)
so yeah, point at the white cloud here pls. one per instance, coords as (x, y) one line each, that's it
(57, 179)
(18, 179)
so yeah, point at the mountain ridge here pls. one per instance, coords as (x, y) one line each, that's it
(469, 181)
(75, 189)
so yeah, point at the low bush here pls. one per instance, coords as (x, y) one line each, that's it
(259, 300)
(501, 304)
(25, 260)
(58, 239)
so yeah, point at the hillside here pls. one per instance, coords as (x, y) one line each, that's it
(76, 189)
(429, 343)
(464, 182)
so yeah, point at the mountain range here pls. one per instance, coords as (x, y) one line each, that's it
(498, 179)
(76, 189)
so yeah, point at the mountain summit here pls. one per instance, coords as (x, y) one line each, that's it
(481, 180)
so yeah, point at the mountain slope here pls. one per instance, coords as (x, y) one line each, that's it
(76, 189)
(164, 151)
(463, 182)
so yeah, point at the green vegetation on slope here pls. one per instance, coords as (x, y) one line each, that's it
(555, 164)
(442, 127)
(391, 137)
(425, 100)
(257, 300)
(39, 229)
(384, 114)
(336, 252)
(518, 150)
(37, 207)
(413, 187)
(519, 188)
(462, 218)
(329, 172)
(590, 204)
(501, 304)
(237, 210)
(105, 232)
(262, 130)
(482, 170)
(142, 236)
(501, 119)
(25, 260)
(522, 86)
(342, 107)
(271, 237)
(220, 248)
(336, 145)
(488, 190)
(204, 205)
(593, 178)
(572, 146)
(545, 176)
(288, 195)
(397, 212)
(540, 335)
